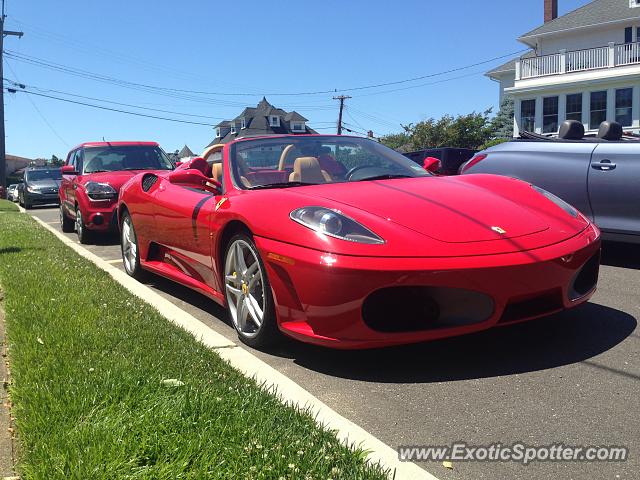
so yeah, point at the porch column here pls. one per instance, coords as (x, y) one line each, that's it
(586, 110)
(538, 125)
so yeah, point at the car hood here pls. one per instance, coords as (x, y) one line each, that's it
(117, 178)
(444, 209)
(45, 183)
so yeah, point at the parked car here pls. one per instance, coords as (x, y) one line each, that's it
(599, 176)
(40, 186)
(12, 192)
(450, 158)
(91, 179)
(343, 242)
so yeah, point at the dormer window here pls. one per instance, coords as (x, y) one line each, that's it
(297, 127)
(634, 3)
(218, 132)
(274, 121)
(243, 123)
(233, 128)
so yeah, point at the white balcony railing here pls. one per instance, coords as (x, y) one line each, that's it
(578, 61)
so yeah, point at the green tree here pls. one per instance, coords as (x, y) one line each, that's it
(398, 141)
(502, 123)
(56, 161)
(463, 131)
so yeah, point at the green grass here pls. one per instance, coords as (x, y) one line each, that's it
(6, 206)
(87, 362)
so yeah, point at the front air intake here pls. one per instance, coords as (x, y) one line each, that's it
(148, 181)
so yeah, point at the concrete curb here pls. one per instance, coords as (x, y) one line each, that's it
(286, 389)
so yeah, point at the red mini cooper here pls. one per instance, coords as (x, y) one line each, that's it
(92, 177)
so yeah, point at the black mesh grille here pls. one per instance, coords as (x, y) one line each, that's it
(148, 181)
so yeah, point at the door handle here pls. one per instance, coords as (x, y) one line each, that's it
(604, 165)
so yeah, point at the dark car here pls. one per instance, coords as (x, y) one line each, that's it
(450, 158)
(40, 186)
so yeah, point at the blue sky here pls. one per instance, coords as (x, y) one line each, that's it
(251, 47)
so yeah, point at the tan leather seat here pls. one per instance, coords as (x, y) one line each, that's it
(307, 170)
(216, 171)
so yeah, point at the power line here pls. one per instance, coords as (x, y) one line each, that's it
(42, 62)
(101, 107)
(21, 85)
(35, 107)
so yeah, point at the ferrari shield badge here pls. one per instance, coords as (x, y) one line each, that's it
(499, 230)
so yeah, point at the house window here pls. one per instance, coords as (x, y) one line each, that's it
(628, 35)
(297, 126)
(274, 121)
(233, 128)
(549, 114)
(574, 107)
(624, 104)
(243, 124)
(218, 132)
(528, 115)
(598, 108)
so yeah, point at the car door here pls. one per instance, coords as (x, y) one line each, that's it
(183, 220)
(66, 184)
(614, 186)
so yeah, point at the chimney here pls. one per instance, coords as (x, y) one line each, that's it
(550, 10)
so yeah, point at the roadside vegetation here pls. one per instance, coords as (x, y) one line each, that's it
(104, 387)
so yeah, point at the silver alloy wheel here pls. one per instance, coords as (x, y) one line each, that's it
(244, 284)
(129, 245)
(79, 225)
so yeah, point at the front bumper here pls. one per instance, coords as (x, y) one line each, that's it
(101, 218)
(319, 296)
(37, 198)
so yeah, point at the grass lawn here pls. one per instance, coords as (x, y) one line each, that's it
(88, 360)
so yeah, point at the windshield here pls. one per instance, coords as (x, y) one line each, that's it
(291, 161)
(128, 157)
(37, 175)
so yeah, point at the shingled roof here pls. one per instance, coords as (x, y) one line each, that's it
(257, 123)
(186, 152)
(593, 13)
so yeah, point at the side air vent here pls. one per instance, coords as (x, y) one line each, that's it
(148, 181)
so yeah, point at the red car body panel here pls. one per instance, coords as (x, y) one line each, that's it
(437, 233)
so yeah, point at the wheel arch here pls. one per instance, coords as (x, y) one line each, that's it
(230, 229)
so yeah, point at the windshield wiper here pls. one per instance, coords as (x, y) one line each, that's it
(386, 176)
(280, 185)
(140, 168)
(96, 171)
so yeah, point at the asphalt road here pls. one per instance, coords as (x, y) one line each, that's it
(572, 378)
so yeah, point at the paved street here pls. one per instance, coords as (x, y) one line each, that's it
(572, 378)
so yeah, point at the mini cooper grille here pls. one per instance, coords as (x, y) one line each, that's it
(148, 181)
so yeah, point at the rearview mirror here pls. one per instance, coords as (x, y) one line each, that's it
(69, 170)
(432, 165)
(194, 178)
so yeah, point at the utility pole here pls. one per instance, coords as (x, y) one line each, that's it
(3, 157)
(342, 98)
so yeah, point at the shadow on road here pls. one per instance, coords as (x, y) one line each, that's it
(625, 255)
(565, 338)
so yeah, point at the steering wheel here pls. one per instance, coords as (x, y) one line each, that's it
(358, 168)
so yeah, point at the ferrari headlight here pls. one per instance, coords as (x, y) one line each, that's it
(100, 191)
(557, 200)
(335, 224)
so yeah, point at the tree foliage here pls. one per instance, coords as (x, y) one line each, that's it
(474, 131)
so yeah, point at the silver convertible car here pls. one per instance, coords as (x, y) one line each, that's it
(600, 175)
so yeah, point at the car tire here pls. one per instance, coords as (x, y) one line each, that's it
(248, 295)
(130, 250)
(84, 235)
(66, 224)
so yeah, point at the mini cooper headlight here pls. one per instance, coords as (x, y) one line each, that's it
(100, 191)
(557, 200)
(335, 224)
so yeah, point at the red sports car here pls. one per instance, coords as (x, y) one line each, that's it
(342, 242)
(91, 178)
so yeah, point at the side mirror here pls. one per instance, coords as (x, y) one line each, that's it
(69, 170)
(432, 165)
(190, 177)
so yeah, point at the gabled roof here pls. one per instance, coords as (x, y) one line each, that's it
(186, 152)
(593, 13)
(509, 66)
(295, 117)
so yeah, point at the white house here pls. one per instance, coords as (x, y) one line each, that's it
(584, 65)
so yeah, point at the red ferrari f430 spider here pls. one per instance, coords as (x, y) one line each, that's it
(342, 242)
